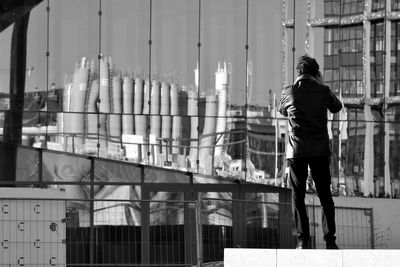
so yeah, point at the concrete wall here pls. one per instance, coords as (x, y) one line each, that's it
(386, 214)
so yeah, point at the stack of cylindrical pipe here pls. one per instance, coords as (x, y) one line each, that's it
(117, 105)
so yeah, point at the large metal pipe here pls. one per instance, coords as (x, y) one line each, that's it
(155, 120)
(174, 100)
(166, 134)
(116, 109)
(221, 121)
(91, 102)
(155, 98)
(176, 134)
(166, 119)
(138, 100)
(208, 135)
(141, 129)
(174, 111)
(221, 86)
(104, 98)
(165, 99)
(194, 121)
(127, 106)
(75, 116)
(146, 97)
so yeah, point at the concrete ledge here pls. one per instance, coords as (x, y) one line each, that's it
(306, 258)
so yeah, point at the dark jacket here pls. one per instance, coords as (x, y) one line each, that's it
(305, 104)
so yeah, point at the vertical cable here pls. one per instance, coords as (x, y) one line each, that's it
(47, 70)
(149, 87)
(99, 57)
(246, 105)
(385, 148)
(198, 89)
(294, 41)
(340, 95)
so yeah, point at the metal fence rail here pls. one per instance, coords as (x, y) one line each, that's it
(121, 232)
(354, 227)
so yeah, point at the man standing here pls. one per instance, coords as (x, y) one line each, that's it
(305, 103)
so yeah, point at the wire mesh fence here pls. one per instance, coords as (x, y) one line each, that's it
(354, 227)
(124, 232)
(229, 223)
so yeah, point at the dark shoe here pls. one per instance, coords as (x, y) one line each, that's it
(331, 245)
(302, 244)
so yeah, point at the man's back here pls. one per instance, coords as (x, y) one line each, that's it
(306, 104)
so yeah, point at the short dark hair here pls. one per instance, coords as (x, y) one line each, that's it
(307, 65)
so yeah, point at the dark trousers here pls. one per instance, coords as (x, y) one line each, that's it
(298, 173)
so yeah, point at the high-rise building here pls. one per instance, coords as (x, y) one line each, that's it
(357, 44)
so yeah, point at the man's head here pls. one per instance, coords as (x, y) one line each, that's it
(307, 65)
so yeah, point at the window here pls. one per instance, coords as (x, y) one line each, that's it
(378, 5)
(352, 7)
(394, 88)
(395, 5)
(332, 8)
(377, 49)
(331, 60)
(343, 60)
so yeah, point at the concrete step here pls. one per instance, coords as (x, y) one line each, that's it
(310, 258)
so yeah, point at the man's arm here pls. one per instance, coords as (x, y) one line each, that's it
(334, 104)
(282, 103)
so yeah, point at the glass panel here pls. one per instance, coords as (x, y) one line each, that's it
(125, 48)
(73, 68)
(206, 179)
(27, 165)
(262, 220)
(352, 155)
(261, 124)
(5, 44)
(216, 208)
(115, 243)
(36, 79)
(154, 175)
(173, 101)
(112, 171)
(222, 77)
(167, 233)
(378, 139)
(394, 149)
(217, 224)
(66, 168)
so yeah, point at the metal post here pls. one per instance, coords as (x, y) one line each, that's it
(199, 234)
(372, 228)
(276, 141)
(91, 213)
(40, 167)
